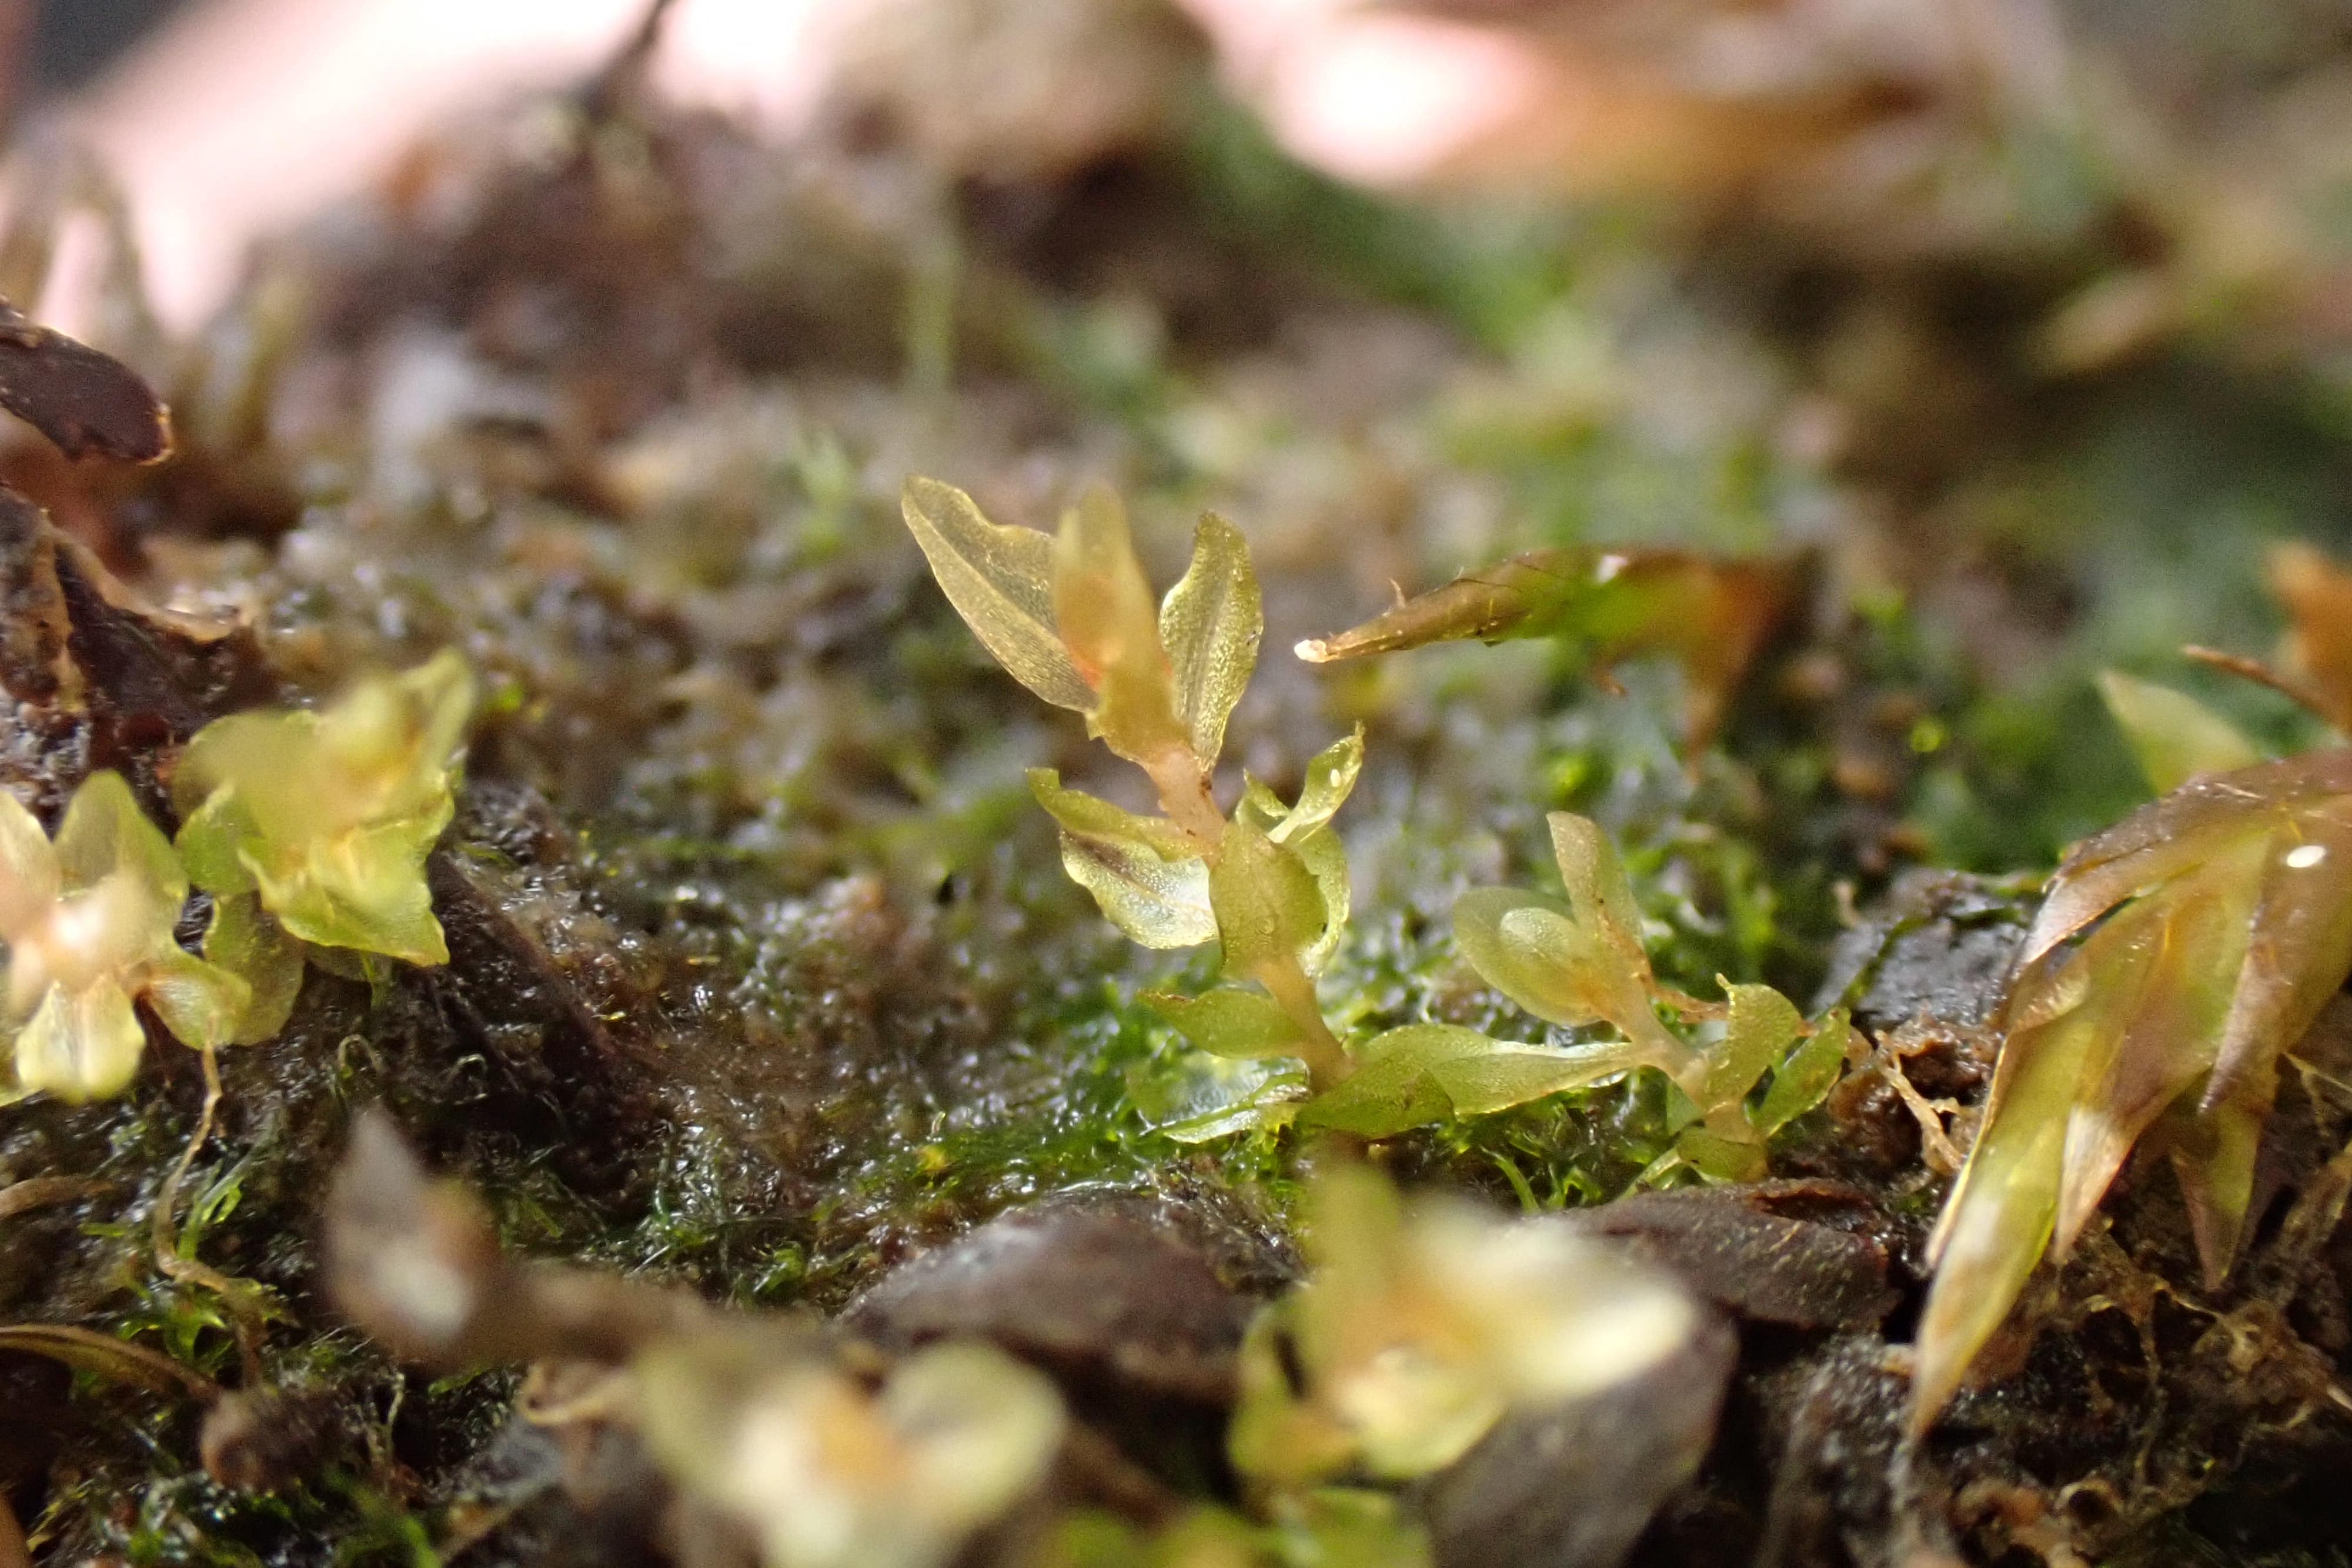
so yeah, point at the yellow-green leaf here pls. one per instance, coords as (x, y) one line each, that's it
(1231, 1022)
(1760, 1028)
(1603, 605)
(1269, 907)
(248, 943)
(999, 580)
(1425, 1073)
(80, 1046)
(2174, 737)
(1142, 872)
(1210, 624)
(1803, 1076)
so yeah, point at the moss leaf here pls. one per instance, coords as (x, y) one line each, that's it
(1210, 625)
(1102, 605)
(1231, 1022)
(1142, 872)
(1425, 1073)
(999, 580)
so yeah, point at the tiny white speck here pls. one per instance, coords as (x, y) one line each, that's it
(1608, 568)
(2305, 856)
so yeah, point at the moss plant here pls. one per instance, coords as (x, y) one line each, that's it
(311, 830)
(88, 921)
(1071, 617)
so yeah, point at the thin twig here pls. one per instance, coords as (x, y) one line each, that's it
(41, 1192)
(2262, 674)
(86, 1350)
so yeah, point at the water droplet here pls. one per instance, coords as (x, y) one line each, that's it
(2303, 857)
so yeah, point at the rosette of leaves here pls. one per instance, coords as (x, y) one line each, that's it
(1583, 962)
(89, 923)
(1709, 616)
(1071, 616)
(2177, 957)
(311, 830)
(1420, 1327)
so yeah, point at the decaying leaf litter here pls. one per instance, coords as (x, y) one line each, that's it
(798, 1098)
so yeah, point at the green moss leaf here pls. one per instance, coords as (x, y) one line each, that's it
(1270, 909)
(1804, 1076)
(80, 1045)
(1142, 872)
(1230, 1023)
(1605, 605)
(246, 942)
(1210, 623)
(1426, 1074)
(1761, 1026)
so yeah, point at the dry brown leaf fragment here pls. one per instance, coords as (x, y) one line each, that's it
(1711, 616)
(80, 399)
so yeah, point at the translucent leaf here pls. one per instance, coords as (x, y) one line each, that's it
(1760, 1028)
(2171, 994)
(80, 1046)
(2299, 945)
(198, 1002)
(1230, 1023)
(2174, 737)
(1141, 871)
(1420, 1327)
(823, 1472)
(1998, 1219)
(210, 837)
(1718, 1158)
(1552, 964)
(1426, 1074)
(363, 890)
(2169, 836)
(1711, 616)
(248, 943)
(1269, 907)
(999, 580)
(1330, 780)
(1804, 1076)
(2214, 924)
(1210, 625)
(1089, 816)
(1102, 605)
(29, 878)
(105, 834)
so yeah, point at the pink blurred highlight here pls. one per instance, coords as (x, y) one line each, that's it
(247, 114)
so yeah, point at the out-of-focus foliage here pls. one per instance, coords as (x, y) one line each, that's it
(1327, 1527)
(828, 1472)
(1586, 962)
(88, 921)
(323, 819)
(2174, 737)
(2212, 927)
(1709, 616)
(1421, 1325)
